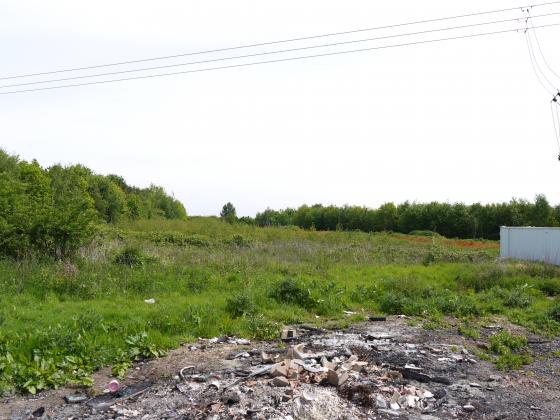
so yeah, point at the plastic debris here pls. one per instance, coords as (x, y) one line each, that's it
(113, 386)
(75, 399)
(214, 383)
(150, 301)
(183, 370)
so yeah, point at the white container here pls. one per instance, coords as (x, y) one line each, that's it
(530, 243)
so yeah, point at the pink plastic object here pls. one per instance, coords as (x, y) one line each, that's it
(113, 386)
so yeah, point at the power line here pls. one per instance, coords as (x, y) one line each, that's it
(556, 122)
(281, 41)
(276, 60)
(532, 49)
(272, 52)
(541, 77)
(540, 50)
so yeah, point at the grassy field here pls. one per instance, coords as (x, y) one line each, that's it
(60, 321)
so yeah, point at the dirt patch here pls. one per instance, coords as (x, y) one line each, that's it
(461, 243)
(376, 370)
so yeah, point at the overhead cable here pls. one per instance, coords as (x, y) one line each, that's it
(545, 61)
(541, 77)
(276, 60)
(272, 52)
(556, 122)
(281, 41)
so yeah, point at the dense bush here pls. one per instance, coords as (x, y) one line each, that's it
(54, 211)
(294, 292)
(131, 256)
(42, 212)
(240, 304)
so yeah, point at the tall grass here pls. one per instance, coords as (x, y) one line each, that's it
(212, 278)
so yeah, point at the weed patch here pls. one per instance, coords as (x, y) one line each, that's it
(510, 350)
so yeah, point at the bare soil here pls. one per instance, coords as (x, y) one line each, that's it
(393, 369)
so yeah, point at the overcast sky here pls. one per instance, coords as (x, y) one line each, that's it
(462, 120)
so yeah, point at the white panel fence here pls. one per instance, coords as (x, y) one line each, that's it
(530, 243)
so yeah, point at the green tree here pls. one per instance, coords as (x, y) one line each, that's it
(228, 213)
(72, 219)
(542, 213)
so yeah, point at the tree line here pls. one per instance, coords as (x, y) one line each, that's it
(53, 211)
(476, 221)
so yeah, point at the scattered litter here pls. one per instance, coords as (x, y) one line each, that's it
(103, 406)
(288, 334)
(39, 412)
(214, 383)
(380, 402)
(231, 397)
(150, 301)
(113, 386)
(183, 370)
(267, 358)
(469, 407)
(75, 399)
(308, 396)
(243, 354)
(378, 372)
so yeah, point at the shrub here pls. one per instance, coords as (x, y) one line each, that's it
(504, 342)
(549, 286)
(239, 241)
(510, 350)
(263, 329)
(483, 279)
(544, 271)
(176, 238)
(292, 292)
(517, 298)
(511, 361)
(131, 256)
(140, 347)
(240, 305)
(554, 312)
(362, 293)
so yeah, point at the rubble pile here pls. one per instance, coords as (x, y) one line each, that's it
(375, 373)
(288, 384)
(349, 374)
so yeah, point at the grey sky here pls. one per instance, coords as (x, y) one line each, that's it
(462, 120)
